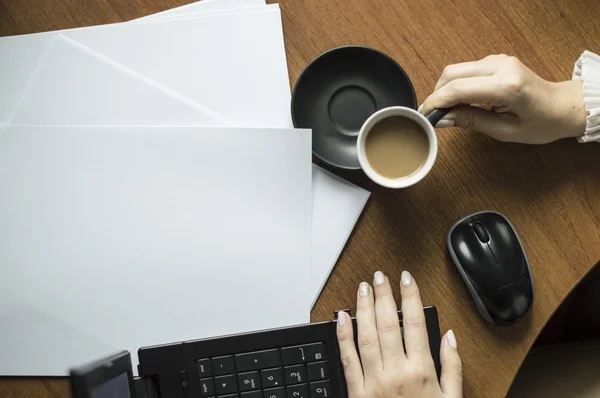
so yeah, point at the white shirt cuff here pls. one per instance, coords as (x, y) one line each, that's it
(587, 69)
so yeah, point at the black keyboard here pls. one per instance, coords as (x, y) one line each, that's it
(293, 362)
(300, 371)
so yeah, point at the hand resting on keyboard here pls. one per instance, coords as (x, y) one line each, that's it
(385, 366)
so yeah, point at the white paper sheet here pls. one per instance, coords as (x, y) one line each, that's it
(337, 203)
(21, 55)
(99, 213)
(246, 76)
(74, 86)
(83, 93)
(19, 59)
(234, 62)
(253, 93)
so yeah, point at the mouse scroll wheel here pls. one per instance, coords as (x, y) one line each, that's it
(481, 232)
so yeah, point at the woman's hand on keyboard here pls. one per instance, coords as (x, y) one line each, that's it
(381, 368)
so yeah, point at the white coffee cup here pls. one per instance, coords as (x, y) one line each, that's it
(428, 129)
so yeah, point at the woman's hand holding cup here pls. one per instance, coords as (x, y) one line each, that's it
(500, 97)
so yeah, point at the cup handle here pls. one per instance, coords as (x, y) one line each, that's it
(436, 115)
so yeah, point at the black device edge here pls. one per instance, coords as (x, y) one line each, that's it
(85, 378)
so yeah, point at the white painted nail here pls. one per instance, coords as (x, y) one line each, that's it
(341, 318)
(379, 278)
(451, 338)
(420, 108)
(405, 278)
(445, 123)
(363, 289)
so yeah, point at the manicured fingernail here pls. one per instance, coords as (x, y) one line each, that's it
(420, 108)
(341, 319)
(379, 278)
(442, 124)
(363, 289)
(451, 338)
(405, 278)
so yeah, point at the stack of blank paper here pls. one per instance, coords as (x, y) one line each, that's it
(153, 188)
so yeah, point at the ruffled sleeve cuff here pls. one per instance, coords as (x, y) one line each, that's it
(587, 69)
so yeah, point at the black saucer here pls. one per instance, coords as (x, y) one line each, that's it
(339, 90)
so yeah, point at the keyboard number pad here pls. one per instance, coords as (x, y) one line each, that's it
(290, 372)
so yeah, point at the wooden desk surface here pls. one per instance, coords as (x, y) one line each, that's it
(551, 193)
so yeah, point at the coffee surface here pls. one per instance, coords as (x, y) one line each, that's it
(396, 147)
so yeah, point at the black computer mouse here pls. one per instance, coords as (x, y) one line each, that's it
(490, 258)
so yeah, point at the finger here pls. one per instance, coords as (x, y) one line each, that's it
(484, 67)
(388, 324)
(451, 379)
(348, 355)
(500, 126)
(479, 68)
(469, 90)
(413, 320)
(368, 340)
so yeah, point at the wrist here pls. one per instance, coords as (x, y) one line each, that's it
(570, 108)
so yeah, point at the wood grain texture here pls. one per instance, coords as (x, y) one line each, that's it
(551, 193)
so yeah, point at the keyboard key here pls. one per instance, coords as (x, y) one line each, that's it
(249, 381)
(229, 396)
(298, 391)
(318, 371)
(278, 392)
(223, 365)
(316, 352)
(295, 374)
(207, 388)
(321, 389)
(203, 366)
(257, 360)
(272, 377)
(293, 355)
(225, 384)
(252, 394)
(303, 353)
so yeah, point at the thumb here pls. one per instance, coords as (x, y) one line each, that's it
(500, 126)
(451, 379)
